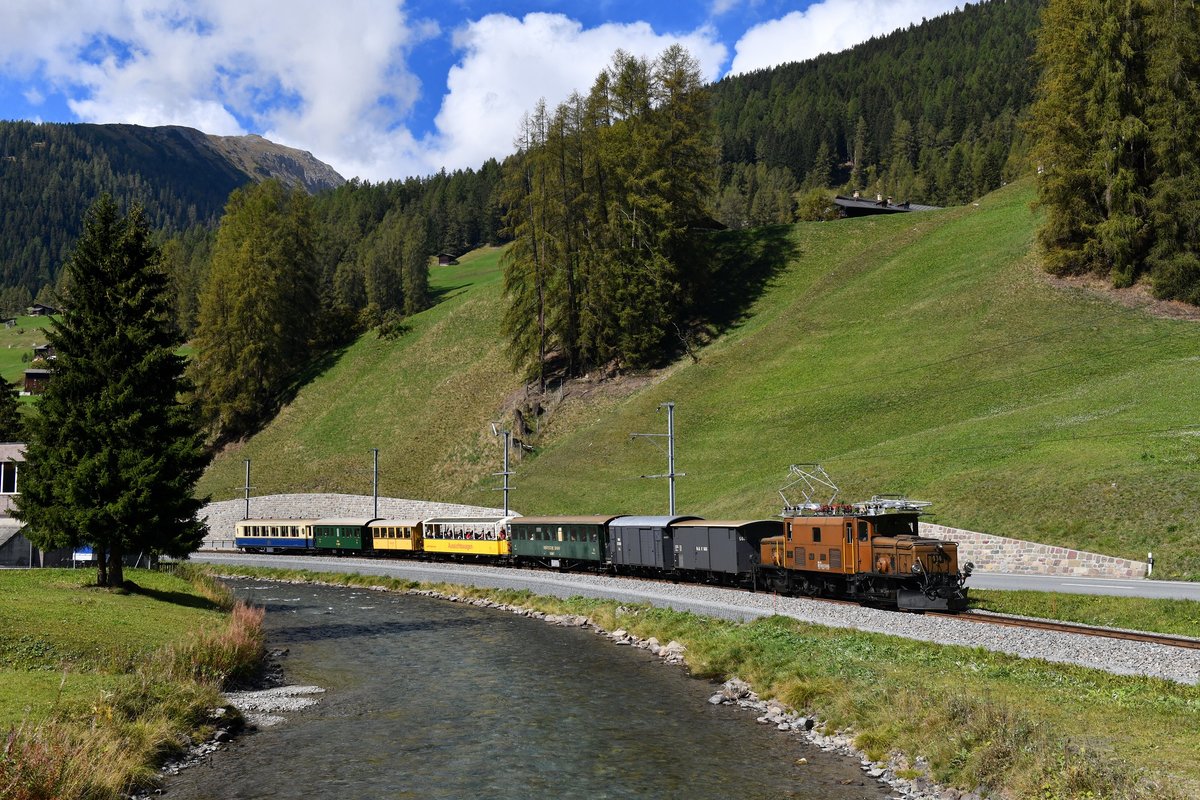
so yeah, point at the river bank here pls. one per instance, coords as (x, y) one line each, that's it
(961, 717)
(431, 699)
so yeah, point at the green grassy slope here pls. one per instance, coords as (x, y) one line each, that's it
(17, 343)
(424, 400)
(919, 353)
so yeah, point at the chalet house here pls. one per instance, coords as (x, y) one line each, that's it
(36, 380)
(45, 352)
(859, 207)
(40, 310)
(15, 549)
(446, 260)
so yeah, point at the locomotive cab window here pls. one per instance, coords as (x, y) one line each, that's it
(849, 532)
(863, 530)
(816, 534)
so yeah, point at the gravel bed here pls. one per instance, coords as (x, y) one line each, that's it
(1112, 655)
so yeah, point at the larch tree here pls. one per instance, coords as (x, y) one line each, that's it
(114, 449)
(1116, 125)
(1174, 117)
(603, 197)
(260, 312)
(12, 426)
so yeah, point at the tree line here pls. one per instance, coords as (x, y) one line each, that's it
(602, 197)
(1117, 132)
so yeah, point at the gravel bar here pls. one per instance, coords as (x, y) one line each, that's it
(1112, 655)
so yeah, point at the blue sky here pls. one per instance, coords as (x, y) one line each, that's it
(382, 89)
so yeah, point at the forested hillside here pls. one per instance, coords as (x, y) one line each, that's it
(51, 173)
(929, 113)
(925, 354)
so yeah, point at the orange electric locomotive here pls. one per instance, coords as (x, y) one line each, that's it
(871, 552)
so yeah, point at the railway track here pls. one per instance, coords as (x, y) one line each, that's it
(1071, 627)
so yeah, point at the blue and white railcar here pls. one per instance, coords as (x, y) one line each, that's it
(274, 535)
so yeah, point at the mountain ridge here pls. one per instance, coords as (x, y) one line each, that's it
(50, 173)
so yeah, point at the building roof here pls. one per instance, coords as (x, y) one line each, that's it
(860, 206)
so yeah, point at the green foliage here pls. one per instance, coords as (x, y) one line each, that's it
(50, 173)
(919, 353)
(260, 313)
(12, 425)
(816, 205)
(113, 453)
(603, 197)
(1115, 131)
(925, 114)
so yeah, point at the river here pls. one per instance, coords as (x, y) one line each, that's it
(430, 699)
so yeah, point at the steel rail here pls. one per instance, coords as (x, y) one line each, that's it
(1072, 627)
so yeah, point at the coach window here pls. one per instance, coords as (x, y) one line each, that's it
(816, 534)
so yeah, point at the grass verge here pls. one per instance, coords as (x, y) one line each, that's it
(112, 682)
(1176, 617)
(1018, 727)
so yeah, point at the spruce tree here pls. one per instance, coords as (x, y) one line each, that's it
(12, 427)
(114, 453)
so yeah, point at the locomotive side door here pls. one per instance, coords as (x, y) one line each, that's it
(862, 544)
(849, 548)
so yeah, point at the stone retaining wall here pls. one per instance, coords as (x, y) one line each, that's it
(1001, 554)
(222, 516)
(990, 553)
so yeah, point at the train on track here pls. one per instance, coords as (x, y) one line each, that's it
(870, 552)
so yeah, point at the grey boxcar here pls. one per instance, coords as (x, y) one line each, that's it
(642, 542)
(721, 549)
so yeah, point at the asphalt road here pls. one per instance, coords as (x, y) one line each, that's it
(431, 572)
(1175, 590)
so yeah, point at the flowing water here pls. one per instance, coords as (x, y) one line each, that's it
(430, 699)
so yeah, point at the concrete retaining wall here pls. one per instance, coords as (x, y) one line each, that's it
(222, 516)
(1001, 554)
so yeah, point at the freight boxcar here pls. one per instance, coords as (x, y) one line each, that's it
(559, 542)
(721, 551)
(273, 535)
(466, 537)
(642, 544)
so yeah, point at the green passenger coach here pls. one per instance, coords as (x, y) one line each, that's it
(341, 534)
(559, 542)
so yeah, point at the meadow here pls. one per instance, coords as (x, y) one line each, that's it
(101, 685)
(924, 354)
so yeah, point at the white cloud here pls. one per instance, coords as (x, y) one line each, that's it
(828, 27)
(330, 78)
(308, 73)
(509, 63)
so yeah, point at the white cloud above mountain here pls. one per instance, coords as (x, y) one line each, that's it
(342, 81)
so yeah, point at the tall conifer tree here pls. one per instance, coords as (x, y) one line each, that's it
(114, 454)
(260, 313)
